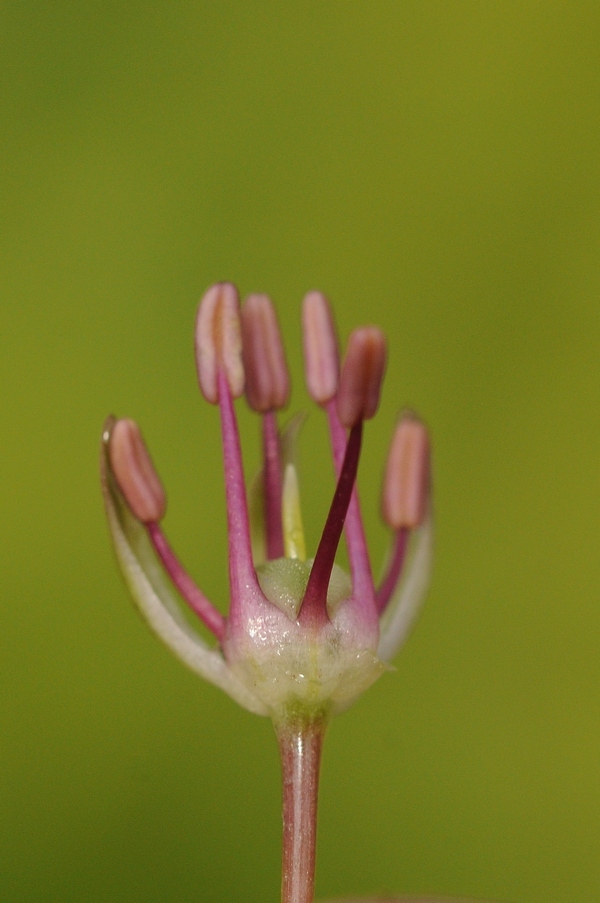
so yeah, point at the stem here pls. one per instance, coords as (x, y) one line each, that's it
(300, 749)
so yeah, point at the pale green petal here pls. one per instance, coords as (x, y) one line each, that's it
(291, 510)
(291, 516)
(406, 602)
(154, 596)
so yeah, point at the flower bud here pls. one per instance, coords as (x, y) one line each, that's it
(135, 473)
(406, 481)
(267, 378)
(362, 375)
(321, 355)
(219, 341)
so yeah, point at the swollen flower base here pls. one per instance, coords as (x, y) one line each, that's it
(302, 639)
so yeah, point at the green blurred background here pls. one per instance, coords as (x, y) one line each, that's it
(435, 168)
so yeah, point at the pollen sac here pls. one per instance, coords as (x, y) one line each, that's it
(362, 375)
(135, 473)
(406, 482)
(267, 378)
(219, 341)
(321, 354)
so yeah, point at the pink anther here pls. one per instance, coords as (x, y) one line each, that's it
(219, 341)
(362, 375)
(135, 473)
(267, 378)
(406, 482)
(321, 354)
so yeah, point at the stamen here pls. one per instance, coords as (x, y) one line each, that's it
(267, 378)
(219, 342)
(321, 351)
(242, 575)
(272, 486)
(362, 375)
(406, 480)
(404, 496)
(192, 594)
(313, 610)
(135, 473)
(321, 354)
(143, 492)
(267, 390)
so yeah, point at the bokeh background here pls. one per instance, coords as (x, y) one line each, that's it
(435, 168)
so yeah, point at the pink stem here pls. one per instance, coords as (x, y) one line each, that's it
(394, 569)
(360, 566)
(314, 605)
(300, 750)
(241, 569)
(191, 593)
(272, 475)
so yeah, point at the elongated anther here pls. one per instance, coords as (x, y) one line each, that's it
(406, 481)
(267, 378)
(219, 341)
(362, 375)
(135, 473)
(321, 353)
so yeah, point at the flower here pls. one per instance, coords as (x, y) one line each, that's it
(302, 639)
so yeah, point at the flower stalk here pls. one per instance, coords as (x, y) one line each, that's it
(300, 745)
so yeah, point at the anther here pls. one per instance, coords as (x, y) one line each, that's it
(135, 473)
(406, 481)
(219, 341)
(321, 354)
(362, 375)
(267, 378)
